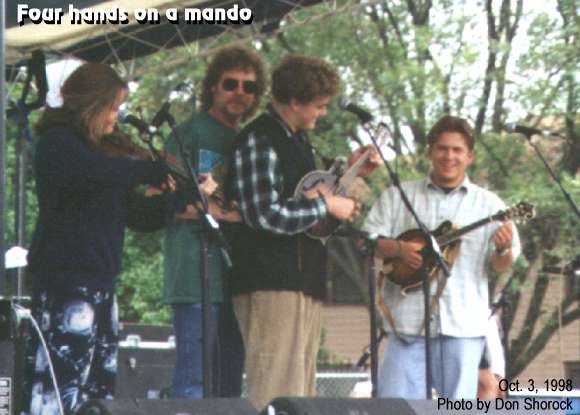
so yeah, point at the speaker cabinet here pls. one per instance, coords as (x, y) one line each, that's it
(144, 373)
(145, 361)
(339, 406)
(12, 370)
(167, 407)
(391, 406)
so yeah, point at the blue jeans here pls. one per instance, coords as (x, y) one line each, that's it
(227, 352)
(188, 373)
(454, 363)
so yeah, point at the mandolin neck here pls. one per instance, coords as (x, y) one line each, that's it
(454, 235)
(351, 173)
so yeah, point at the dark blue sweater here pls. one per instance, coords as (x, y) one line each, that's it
(83, 199)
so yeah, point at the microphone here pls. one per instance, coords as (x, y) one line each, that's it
(512, 127)
(561, 270)
(126, 117)
(161, 115)
(571, 269)
(181, 86)
(361, 113)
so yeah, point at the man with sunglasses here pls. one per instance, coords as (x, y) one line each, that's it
(279, 271)
(233, 85)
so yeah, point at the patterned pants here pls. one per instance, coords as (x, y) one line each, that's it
(80, 327)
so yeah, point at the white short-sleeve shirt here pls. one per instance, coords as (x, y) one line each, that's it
(463, 307)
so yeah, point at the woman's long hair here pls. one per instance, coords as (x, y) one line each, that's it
(88, 93)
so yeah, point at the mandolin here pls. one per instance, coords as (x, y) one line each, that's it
(449, 239)
(336, 181)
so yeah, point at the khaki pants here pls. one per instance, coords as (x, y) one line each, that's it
(281, 332)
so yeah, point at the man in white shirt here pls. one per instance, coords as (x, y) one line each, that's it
(459, 323)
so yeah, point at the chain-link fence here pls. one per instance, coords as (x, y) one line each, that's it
(332, 384)
(338, 384)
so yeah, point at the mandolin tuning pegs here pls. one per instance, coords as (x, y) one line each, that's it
(339, 165)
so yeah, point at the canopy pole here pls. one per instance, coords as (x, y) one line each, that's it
(3, 285)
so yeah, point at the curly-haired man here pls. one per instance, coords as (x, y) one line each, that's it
(279, 271)
(234, 83)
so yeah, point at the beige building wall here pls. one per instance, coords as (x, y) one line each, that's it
(347, 329)
(563, 347)
(347, 334)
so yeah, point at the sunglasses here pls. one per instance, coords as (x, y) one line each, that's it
(231, 84)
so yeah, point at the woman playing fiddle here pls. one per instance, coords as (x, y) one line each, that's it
(85, 200)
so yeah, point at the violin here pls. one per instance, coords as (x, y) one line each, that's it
(119, 144)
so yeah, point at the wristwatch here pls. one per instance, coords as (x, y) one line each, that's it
(503, 252)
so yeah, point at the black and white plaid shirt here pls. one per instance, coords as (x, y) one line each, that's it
(259, 187)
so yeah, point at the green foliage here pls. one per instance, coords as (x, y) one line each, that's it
(140, 284)
(12, 135)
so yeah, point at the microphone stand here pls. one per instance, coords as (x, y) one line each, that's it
(504, 304)
(12, 327)
(210, 234)
(567, 196)
(433, 249)
(369, 245)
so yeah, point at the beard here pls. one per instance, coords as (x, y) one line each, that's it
(240, 109)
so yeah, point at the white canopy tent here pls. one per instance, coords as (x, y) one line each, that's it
(112, 43)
